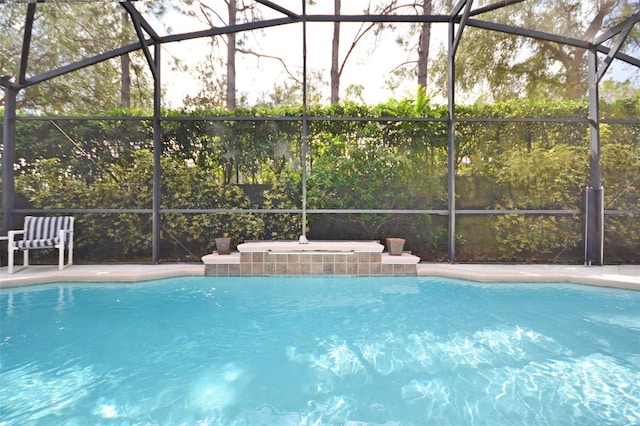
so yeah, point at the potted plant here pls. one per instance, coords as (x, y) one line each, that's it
(395, 246)
(223, 245)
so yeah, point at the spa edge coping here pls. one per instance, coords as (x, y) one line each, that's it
(233, 258)
(311, 246)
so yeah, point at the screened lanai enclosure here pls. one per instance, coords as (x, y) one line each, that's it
(479, 131)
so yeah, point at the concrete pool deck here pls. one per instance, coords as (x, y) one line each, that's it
(618, 276)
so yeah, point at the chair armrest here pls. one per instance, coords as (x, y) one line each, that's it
(11, 235)
(64, 238)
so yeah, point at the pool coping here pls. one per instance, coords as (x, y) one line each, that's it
(616, 276)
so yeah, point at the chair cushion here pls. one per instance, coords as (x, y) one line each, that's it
(45, 228)
(33, 244)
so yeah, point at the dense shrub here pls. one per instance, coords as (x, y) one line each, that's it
(384, 157)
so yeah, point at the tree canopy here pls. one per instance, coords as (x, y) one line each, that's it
(490, 64)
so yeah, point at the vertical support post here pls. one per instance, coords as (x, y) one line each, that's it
(157, 155)
(303, 235)
(593, 226)
(594, 209)
(8, 158)
(451, 152)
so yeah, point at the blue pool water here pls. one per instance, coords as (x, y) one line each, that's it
(319, 350)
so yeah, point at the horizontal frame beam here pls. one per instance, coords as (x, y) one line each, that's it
(334, 119)
(439, 212)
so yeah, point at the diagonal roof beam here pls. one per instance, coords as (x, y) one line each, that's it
(138, 23)
(65, 69)
(540, 35)
(620, 56)
(614, 51)
(495, 6)
(135, 46)
(26, 42)
(247, 26)
(461, 25)
(630, 21)
(525, 32)
(455, 10)
(279, 8)
(135, 15)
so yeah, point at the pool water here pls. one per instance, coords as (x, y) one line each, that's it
(319, 351)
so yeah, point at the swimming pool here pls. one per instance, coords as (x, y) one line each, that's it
(319, 350)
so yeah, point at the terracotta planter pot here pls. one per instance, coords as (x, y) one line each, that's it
(223, 245)
(395, 246)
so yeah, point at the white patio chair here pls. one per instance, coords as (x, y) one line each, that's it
(42, 233)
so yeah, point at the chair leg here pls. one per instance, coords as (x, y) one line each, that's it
(61, 257)
(10, 258)
(61, 264)
(70, 254)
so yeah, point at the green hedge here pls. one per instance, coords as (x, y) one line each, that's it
(389, 156)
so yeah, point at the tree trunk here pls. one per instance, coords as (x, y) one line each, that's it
(125, 70)
(335, 57)
(423, 47)
(574, 78)
(231, 58)
(125, 81)
(575, 86)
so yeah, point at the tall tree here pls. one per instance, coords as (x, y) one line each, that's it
(567, 21)
(11, 27)
(415, 39)
(337, 67)
(66, 32)
(335, 56)
(498, 66)
(231, 56)
(125, 69)
(213, 84)
(423, 46)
